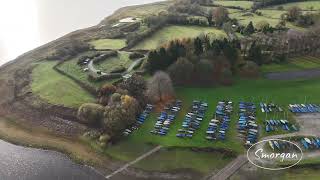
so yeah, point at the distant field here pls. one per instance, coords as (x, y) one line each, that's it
(294, 64)
(244, 20)
(140, 10)
(73, 69)
(243, 4)
(175, 32)
(303, 5)
(271, 16)
(108, 43)
(56, 88)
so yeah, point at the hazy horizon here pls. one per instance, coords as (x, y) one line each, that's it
(27, 24)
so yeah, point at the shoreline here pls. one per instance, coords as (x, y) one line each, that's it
(72, 148)
(76, 150)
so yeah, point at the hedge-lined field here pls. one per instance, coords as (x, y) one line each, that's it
(175, 32)
(56, 88)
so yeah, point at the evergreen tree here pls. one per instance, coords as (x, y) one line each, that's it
(198, 49)
(215, 47)
(249, 29)
(255, 54)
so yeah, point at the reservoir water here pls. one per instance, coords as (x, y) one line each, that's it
(20, 163)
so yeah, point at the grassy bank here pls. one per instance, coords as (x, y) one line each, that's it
(14, 132)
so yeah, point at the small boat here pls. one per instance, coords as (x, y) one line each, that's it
(271, 145)
(276, 144)
(308, 140)
(304, 143)
(267, 128)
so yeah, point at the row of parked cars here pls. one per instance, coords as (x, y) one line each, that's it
(193, 119)
(274, 125)
(270, 107)
(166, 118)
(247, 125)
(304, 108)
(220, 124)
(310, 143)
(140, 120)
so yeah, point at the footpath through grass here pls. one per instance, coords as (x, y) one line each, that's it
(176, 32)
(56, 88)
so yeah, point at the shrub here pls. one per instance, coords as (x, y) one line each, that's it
(249, 69)
(160, 87)
(101, 57)
(105, 92)
(181, 71)
(293, 13)
(203, 73)
(119, 116)
(104, 138)
(136, 55)
(90, 113)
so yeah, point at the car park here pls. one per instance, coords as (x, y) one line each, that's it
(193, 119)
(140, 120)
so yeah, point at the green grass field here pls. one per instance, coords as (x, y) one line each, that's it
(168, 159)
(244, 20)
(279, 92)
(56, 88)
(259, 90)
(272, 16)
(108, 43)
(295, 64)
(243, 4)
(175, 159)
(175, 32)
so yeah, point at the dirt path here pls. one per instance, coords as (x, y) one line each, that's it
(303, 74)
(134, 161)
(230, 169)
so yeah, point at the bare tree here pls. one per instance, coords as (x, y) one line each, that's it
(160, 87)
